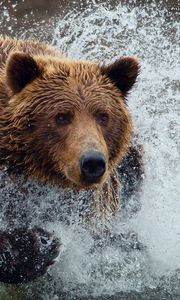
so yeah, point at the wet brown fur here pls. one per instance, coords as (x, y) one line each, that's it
(36, 83)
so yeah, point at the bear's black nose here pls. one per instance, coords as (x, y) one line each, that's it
(93, 166)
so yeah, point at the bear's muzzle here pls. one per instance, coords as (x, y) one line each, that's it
(92, 166)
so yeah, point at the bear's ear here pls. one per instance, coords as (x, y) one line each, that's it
(21, 69)
(123, 73)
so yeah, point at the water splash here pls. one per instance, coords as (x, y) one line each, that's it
(104, 33)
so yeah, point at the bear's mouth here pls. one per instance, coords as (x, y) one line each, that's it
(81, 183)
(91, 180)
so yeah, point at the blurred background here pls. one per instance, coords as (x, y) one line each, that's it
(39, 17)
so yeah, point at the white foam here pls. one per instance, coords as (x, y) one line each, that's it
(104, 33)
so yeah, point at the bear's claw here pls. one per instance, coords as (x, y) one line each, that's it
(25, 254)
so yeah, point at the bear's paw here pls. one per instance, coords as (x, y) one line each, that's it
(25, 254)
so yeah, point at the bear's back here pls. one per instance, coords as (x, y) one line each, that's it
(32, 47)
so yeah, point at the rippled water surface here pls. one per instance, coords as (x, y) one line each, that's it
(103, 33)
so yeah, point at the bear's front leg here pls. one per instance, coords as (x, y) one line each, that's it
(25, 254)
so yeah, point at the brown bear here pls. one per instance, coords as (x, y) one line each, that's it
(63, 122)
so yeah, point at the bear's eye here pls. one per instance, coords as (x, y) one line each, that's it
(63, 118)
(102, 118)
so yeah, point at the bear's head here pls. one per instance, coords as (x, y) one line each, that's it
(67, 121)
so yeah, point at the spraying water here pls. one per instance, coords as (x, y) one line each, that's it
(103, 33)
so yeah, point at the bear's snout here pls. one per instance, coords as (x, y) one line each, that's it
(92, 166)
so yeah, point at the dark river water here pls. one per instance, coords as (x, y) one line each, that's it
(103, 31)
